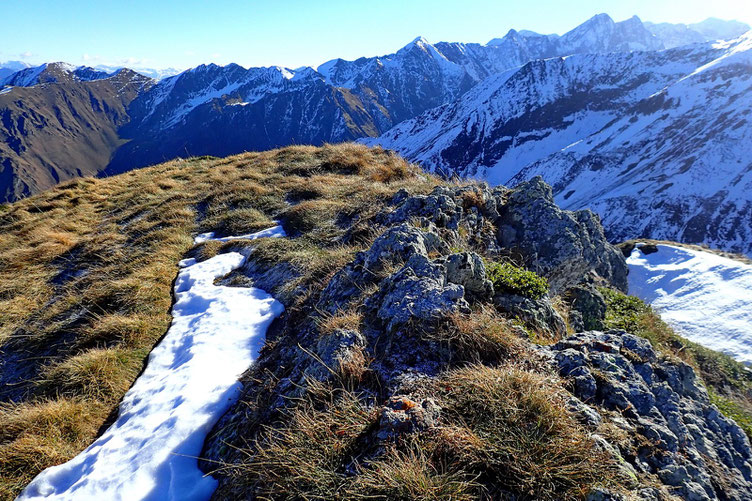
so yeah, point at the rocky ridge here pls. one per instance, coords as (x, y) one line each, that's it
(647, 417)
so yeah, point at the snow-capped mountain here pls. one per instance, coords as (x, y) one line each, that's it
(9, 67)
(155, 73)
(658, 143)
(52, 72)
(220, 110)
(675, 35)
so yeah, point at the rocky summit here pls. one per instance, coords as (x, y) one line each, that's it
(378, 366)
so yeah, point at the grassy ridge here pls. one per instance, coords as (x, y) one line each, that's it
(86, 273)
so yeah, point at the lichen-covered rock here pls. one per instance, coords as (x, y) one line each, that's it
(419, 292)
(538, 315)
(467, 269)
(692, 443)
(590, 306)
(397, 244)
(563, 246)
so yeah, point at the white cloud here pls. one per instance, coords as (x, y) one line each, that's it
(25, 55)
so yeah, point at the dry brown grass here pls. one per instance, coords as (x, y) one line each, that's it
(504, 433)
(483, 336)
(349, 319)
(524, 441)
(86, 271)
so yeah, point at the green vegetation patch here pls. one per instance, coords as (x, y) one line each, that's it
(512, 279)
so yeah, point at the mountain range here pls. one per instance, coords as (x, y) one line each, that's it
(657, 142)
(537, 91)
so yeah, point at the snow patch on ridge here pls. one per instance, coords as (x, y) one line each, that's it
(705, 297)
(190, 380)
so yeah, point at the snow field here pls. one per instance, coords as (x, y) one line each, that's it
(190, 381)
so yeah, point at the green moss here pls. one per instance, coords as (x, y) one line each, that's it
(512, 279)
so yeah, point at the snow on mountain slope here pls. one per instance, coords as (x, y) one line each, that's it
(174, 97)
(658, 143)
(53, 72)
(190, 380)
(704, 297)
(675, 35)
(155, 73)
(10, 67)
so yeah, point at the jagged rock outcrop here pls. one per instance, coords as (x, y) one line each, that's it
(401, 289)
(688, 444)
(562, 246)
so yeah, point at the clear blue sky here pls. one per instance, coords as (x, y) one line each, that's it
(292, 33)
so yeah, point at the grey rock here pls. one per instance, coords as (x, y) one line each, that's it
(467, 269)
(563, 246)
(417, 292)
(396, 245)
(591, 306)
(538, 315)
(586, 415)
(692, 443)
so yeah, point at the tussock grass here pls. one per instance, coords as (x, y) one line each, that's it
(34, 436)
(86, 271)
(483, 336)
(309, 456)
(504, 433)
(524, 441)
(349, 319)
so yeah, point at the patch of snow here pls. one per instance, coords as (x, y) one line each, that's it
(5, 90)
(276, 231)
(705, 297)
(190, 381)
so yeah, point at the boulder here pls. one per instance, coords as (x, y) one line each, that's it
(467, 269)
(560, 245)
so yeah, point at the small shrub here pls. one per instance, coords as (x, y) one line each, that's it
(511, 279)
(623, 312)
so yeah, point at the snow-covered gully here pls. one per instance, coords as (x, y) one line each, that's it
(705, 297)
(190, 380)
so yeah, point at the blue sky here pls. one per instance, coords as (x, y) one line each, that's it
(294, 33)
